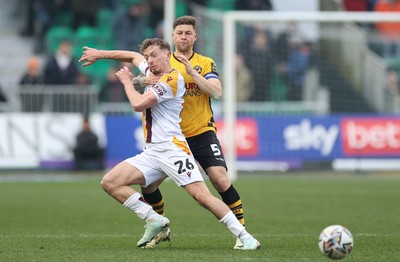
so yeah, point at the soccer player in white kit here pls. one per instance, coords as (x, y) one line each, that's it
(166, 152)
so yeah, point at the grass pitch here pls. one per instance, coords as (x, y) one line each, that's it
(74, 220)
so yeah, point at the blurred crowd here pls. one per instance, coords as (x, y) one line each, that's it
(270, 67)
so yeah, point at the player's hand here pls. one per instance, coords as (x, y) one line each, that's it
(188, 67)
(124, 75)
(89, 56)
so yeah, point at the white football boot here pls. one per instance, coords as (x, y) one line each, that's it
(250, 243)
(152, 229)
(164, 235)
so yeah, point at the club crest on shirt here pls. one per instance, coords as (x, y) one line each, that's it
(198, 69)
(169, 78)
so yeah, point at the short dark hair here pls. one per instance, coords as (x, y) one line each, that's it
(185, 20)
(163, 44)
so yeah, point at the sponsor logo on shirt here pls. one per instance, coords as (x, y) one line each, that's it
(159, 89)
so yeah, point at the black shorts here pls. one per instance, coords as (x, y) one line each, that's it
(207, 149)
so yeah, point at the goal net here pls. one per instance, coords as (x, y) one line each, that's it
(291, 81)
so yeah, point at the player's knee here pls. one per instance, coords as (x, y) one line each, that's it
(107, 183)
(221, 182)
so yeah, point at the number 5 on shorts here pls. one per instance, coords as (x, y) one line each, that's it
(215, 149)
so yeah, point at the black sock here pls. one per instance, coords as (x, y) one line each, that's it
(232, 199)
(156, 200)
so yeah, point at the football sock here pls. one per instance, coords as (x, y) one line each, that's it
(143, 210)
(156, 200)
(232, 199)
(230, 221)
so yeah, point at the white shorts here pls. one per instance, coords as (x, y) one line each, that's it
(174, 160)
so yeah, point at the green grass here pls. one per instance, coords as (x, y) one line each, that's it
(77, 221)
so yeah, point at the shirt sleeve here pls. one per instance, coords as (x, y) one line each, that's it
(210, 69)
(144, 68)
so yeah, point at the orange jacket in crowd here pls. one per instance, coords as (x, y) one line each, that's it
(389, 29)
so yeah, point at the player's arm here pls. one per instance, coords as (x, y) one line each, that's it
(139, 102)
(141, 81)
(212, 87)
(92, 55)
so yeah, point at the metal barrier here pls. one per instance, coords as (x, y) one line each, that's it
(62, 98)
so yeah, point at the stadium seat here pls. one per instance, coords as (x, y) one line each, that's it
(180, 8)
(127, 3)
(98, 71)
(104, 18)
(64, 19)
(221, 5)
(84, 36)
(148, 32)
(55, 35)
(105, 37)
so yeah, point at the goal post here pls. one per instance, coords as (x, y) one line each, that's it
(230, 19)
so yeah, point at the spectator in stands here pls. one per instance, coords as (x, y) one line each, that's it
(282, 46)
(190, 7)
(393, 82)
(355, 5)
(371, 5)
(82, 101)
(295, 68)
(30, 101)
(109, 4)
(32, 75)
(88, 154)
(259, 5)
(42, 15)
(61, 68)
(83, 79)
(3, 97)
(260, 60)
(129, 24)
(159, 32)
(112, 91)
(4, 106)
(389, 32)
(156, 12)
(392, 96)
(244, 80)
(252, 5)
(84, 12)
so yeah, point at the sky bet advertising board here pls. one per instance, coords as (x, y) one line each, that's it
(47, 140)
(269, 138)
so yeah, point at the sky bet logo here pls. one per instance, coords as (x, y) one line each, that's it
(305, 136)
(371, 136)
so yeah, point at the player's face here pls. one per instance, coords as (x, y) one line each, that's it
(184, 37)
(157, 59)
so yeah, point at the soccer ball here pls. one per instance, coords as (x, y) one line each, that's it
(336, 242)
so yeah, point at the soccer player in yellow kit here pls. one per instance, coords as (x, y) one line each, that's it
(202, 84)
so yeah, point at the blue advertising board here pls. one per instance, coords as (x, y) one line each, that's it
(283, 138)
